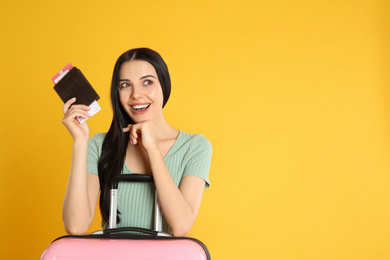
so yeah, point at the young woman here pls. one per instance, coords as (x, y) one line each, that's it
(139, 141)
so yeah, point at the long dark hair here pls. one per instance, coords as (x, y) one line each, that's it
(115, 142)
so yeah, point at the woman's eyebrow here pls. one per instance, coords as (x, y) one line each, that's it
(147, 76)
(143, 77)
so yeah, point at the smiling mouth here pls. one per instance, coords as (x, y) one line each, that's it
(139, 108)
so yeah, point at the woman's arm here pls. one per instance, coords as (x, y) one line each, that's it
(179, 205)
(81, 194)
(83, 189)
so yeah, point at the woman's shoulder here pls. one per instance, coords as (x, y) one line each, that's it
(97, 138)
(194, 140)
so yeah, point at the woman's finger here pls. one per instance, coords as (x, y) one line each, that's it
(72, 114)
(127, 128)
(134, 135)
(67, 105)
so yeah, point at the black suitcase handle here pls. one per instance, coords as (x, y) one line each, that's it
(131, 229)
(130, 178)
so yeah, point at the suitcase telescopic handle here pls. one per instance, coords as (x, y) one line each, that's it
(130, 178)
(114, 198)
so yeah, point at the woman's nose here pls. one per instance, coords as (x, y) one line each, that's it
(136, 92)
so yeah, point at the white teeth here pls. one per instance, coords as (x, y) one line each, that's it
(139, 107)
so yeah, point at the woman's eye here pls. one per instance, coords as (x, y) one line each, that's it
(124, 85)
(148, 82)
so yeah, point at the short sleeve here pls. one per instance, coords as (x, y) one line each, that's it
(94, 150)
(199, 159)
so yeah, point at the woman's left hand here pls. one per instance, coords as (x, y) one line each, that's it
(142, 133)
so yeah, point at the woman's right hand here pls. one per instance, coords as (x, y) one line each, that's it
(78, 131)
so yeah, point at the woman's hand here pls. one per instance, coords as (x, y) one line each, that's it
(77, 130)
(142, 133)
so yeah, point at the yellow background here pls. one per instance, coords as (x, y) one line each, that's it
(293, 95)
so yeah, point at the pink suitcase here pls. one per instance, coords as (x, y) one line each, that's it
(113, 243)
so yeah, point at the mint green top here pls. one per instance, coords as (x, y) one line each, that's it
(190, 155)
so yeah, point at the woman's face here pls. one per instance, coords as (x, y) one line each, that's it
(140, 92)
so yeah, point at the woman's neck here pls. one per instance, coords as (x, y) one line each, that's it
(163, 130)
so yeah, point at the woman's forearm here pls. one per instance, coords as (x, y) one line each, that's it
(179, 213)
(77, 213)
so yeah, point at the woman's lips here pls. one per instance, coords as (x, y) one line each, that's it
(139, 108)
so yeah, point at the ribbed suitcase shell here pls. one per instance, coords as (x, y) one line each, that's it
(123, 248)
